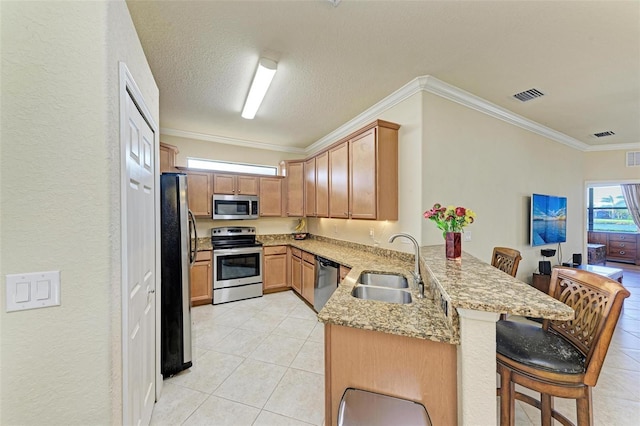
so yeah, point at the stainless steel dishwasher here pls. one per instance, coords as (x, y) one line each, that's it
(326, 281)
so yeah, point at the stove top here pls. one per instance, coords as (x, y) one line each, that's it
(234, 237)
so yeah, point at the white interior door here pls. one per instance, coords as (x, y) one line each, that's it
(141, 268)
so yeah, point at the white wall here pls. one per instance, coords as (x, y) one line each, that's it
(408, 114)
(60, 205)
(225, 152)
(479, 162)
(609, 166)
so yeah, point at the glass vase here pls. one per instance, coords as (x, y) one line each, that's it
(453, 245)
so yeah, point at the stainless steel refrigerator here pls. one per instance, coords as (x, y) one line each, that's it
(178, 250)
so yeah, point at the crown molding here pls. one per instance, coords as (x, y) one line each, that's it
(615, 147)
(230, 141)
(430, 84)
(425, 83)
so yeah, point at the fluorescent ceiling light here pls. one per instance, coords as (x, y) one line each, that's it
(261, 81)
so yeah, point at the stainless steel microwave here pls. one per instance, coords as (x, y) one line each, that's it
(234, 207)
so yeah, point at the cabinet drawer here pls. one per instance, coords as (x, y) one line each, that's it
(275, 250)
(203, 255)
(622, 245)
(621, 253)
(308, 257)
(296, 252)
(629, 238)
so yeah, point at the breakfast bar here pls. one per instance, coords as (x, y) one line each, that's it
(438, 351)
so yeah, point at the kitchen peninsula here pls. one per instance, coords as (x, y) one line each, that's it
(439, 350)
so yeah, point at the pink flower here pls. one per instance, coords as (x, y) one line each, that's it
(461, 211)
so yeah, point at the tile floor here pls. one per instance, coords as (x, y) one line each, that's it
(256, 362)
(260, 362)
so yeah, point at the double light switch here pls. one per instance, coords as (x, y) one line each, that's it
(32, 290)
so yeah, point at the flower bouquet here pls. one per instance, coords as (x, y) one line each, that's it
(451, 220)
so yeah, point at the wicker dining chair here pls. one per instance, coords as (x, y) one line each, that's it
(561, 358)
(507, 260)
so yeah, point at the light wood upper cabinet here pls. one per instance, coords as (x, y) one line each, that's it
(363, 174)
(310, 187)
(168, 155)
(201, 279)
(295, 188)
(322, 185)
(200, 193)
(338, 181)
(270, 196)
(235, 184)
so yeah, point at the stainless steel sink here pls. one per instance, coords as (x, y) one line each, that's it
(381, 294)
(383, 280)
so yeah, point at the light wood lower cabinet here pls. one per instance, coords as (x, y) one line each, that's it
(308, 276)
(419, 370)
(274, 272)
(201, 279)
(344, 271)
(296, 270)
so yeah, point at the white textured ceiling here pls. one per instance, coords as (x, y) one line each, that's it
(335, 62)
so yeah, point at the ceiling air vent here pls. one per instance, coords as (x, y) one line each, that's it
(633, 158)
(527, 95)
(603, 134)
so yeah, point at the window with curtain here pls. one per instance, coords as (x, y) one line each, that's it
(607, 210)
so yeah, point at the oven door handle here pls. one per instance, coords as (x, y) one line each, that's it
(244, 250)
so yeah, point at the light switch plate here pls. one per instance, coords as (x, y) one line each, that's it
(32, 290)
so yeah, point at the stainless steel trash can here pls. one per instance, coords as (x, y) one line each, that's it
(363, 408)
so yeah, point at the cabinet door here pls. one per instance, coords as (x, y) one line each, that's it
(224, 184)
(201, 281)
(295, 189)
(275, 271)
(296, 274)
(247, 185)
(168, 158)
(338, 184)
(344, 271)
(270, 196)
(310, 187)
(308, 279)
(200, 193)
(362, 176)
(322, 185)
(597, 237)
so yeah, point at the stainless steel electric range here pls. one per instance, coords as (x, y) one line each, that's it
(237, 264)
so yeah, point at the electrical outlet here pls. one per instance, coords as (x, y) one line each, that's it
(335, 229)
(467, 236)
(371, 233)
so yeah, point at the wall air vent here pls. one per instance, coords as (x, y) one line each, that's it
(603, 134)
(527, 95)
(633, 158)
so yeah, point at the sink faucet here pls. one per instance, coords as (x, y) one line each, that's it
(416, 273)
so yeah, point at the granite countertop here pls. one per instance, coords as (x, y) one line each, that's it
(465, 284)
(473, 284)
(422, 318)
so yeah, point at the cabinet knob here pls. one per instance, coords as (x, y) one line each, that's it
(622, 252)
(621, 244)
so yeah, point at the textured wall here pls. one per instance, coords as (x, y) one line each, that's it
(610, 166)
(59, 197)
(493, 167)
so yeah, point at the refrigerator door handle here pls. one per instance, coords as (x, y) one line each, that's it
(193, 248)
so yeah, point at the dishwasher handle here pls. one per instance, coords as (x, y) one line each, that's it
(322, 262)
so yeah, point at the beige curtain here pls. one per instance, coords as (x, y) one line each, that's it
(631, 194)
